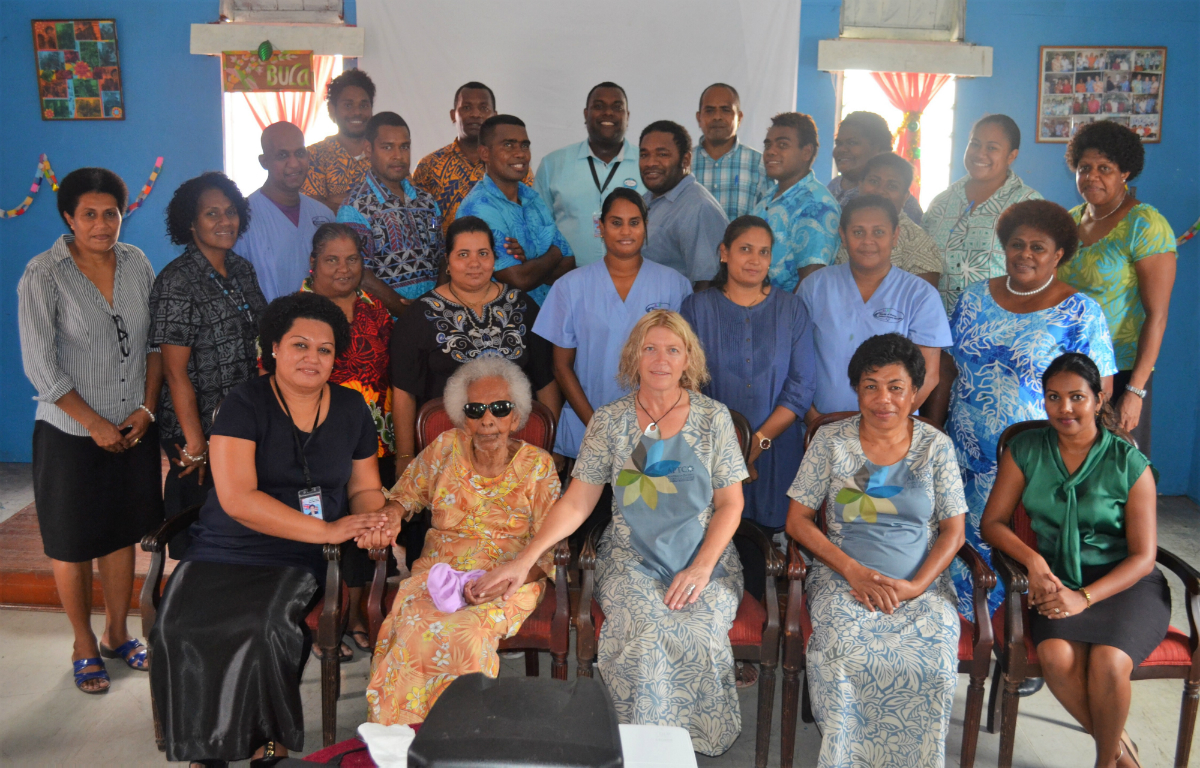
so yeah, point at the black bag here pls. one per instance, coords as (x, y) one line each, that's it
(519, 722)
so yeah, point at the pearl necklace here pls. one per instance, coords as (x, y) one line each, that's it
(1008, 285)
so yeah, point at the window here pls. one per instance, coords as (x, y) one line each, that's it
(242, 134)
(860, 92)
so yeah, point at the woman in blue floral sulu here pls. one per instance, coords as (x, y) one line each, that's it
(883, 657)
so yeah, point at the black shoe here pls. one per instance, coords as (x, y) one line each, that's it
(1031, 686)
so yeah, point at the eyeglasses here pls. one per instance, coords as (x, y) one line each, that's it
(499, 409)
(122, 335)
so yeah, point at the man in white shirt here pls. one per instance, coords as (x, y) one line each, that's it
(575, 179)
(282, 221)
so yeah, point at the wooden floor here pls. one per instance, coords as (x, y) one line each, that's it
(26, 580)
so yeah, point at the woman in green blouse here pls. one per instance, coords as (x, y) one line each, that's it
(1101, 605)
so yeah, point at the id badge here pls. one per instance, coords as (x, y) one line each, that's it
(310, 502)
(596, 224)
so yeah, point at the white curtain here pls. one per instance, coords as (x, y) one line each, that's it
(542, 56)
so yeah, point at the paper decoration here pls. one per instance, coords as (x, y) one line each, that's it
(248, 71)
(78, 69)
(44, 171)
(1078, 85)
(1188, 235)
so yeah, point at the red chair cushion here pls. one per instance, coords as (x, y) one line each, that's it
(1171, 652)
(314, 616)
(747, 624)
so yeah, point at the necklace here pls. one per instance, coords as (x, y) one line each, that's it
(469, 306)
(652, 427)
(761, 297)
(1014, 292)
(1092, 208)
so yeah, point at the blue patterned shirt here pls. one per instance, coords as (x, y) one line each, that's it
(529, 222)
(804, 220)
(737, 179)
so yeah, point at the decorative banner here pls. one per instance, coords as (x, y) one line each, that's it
(78, 69)
(249, 71)
(1188, 235)
(45, 171)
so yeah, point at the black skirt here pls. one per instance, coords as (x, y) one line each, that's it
(229, 647)
(91, 502)
(1134, 620)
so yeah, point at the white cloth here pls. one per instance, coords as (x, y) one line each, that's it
(276, 247)
(388, 744)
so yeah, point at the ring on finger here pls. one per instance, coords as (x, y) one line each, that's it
(690, 589)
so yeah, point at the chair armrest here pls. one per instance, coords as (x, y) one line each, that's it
(328, 629)
(560, 623)
(983, 581)
(155, 543)
(375, 607)
(1012, 574)
(771, 555)
(793, 635)
(1191, 583)
(981, 572)
(585, 628)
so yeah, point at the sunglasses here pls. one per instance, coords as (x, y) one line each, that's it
(499, 409)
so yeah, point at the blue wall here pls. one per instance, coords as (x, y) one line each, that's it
(174, 109)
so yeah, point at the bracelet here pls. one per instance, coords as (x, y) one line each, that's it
(404, 456)
(1086, 596)
(1139, 392)
(149, 413)
(193, 459)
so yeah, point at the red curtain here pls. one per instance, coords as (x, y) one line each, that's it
(910, 92)
(293, 106)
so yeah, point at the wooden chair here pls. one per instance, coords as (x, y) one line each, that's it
(327, 618)
(755, 632)
(548, 628)
(974, 641)
(1176, 657)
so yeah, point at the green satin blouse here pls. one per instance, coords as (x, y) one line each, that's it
(1079, 518)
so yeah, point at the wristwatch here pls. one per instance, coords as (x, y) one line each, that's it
(1139, 392)
(764, 442)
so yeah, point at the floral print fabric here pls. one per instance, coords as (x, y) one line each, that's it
(1000, 357)
(478, 523)
(882, 686)
(666, 667)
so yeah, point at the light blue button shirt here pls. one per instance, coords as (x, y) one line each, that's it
(683, 229)
(529, 222)
(805, 222)
(903, 304)
(565, 183)
(277, 248)
(584, 312)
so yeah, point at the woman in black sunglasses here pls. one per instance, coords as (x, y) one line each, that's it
(488, 494)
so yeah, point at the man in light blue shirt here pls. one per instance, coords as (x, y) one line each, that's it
(515, 212)
(575, 179)
(282, 221)
(802, 213)
(685, 222)
(732, 171)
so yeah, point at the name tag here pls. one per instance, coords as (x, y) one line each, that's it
(310, 502)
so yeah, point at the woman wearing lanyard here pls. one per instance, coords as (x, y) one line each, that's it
(204, 310)
(294, 467)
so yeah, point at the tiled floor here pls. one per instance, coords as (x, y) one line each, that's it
(16, 488)
(45, 722)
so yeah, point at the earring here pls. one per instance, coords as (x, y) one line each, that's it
(272, 354)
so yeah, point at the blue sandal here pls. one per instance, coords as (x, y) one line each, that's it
(82, 677)
(133, 660)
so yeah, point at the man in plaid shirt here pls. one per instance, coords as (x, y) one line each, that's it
(729, 169)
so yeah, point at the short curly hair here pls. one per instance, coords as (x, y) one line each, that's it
(886, 349)
(520, 391)
(351, 77)
(80, 181)
(181, 211)
(1044, 216)
(282, 313)
(1114, 141)
(695, 375)
(874, 128)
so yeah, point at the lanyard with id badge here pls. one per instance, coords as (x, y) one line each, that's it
(600, 188)
(310, 496)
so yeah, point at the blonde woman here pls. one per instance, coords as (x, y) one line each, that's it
(667, 577)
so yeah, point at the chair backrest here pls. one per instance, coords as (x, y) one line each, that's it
(1020, 519)
(539, 429)
(741, 425)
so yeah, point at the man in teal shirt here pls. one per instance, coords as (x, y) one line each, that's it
(574, 180)
(530, 251)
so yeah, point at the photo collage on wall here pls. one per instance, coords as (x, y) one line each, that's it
(1080, 85)
(78, 69)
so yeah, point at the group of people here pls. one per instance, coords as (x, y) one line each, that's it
(640, 294)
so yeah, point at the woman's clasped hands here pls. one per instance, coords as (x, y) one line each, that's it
(878, 592)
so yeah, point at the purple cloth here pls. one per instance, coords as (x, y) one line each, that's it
(446, 586)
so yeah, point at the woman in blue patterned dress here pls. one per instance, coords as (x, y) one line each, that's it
(883, 657)
(1006, 331)
(667, 576)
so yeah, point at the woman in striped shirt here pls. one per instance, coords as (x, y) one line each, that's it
(83, 309)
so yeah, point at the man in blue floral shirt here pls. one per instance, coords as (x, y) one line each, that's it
(802, 213)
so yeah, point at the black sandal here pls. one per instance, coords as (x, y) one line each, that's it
(344, 652)
(365, 645)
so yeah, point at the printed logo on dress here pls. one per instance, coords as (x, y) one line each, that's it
(657, 305)
(631, 183)
(865, 495)
(645, 474)
(889, 315)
